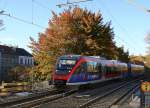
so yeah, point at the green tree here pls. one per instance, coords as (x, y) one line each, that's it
(19, 73)
(123, 55)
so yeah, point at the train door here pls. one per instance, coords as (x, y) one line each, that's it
(93, 71)
(79, 74)
(83, 72)
(103, 71)
(116, 69)
(107, 70)
(100, 70)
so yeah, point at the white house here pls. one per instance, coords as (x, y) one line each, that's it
(26, 60)
(11, 57)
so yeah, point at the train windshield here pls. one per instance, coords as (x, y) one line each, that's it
(66, 64)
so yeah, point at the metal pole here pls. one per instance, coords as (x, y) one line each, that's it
(141, 95)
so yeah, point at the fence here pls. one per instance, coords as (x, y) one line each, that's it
(7, 89)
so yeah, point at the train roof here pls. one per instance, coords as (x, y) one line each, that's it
(101, 59)
(137, 65)
(70, 57)
(79, 56)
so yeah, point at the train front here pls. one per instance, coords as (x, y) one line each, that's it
(64, 66)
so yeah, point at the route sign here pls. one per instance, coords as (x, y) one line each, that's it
(145, 86)
(145, 94)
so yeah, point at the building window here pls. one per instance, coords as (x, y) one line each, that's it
(28, 61)
(21, 61)
(31, 62)
(25, 61)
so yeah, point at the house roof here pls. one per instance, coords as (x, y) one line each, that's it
(13, 50)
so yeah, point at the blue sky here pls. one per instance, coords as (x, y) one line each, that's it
(130, 22)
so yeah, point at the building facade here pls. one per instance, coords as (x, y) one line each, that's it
(11, 57)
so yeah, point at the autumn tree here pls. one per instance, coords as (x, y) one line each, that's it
(147, 60)
(74, 31)
(139, 59)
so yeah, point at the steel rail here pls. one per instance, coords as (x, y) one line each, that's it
(30, 97)
(42, 100)
(84, 105)
(124, 95)
(74, 100)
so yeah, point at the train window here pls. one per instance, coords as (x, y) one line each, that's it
(65, 64)
(103, 69)
(115, 69)
(108, 70)
(119, 69)
(92, 67)
(99, 66)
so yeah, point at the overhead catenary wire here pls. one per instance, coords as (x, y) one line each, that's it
(40, 4)
(4, 4)
(122, 28)
(22, 20)
(37, 2)
(71, 3)
(139, 6)
(32, 10)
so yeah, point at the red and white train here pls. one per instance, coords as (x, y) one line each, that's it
(78, 70)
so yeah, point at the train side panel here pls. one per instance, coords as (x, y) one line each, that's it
(111, 69)
(137, 70)
(87, 72)
(78, 70)
(124, 70)
(92, 71)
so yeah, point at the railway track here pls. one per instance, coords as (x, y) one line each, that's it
(125, 99)
(33, 100)
(76, 99)
(101, 97)
(110, 98)
(113, 97)
(89, 98)
(21, 101)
